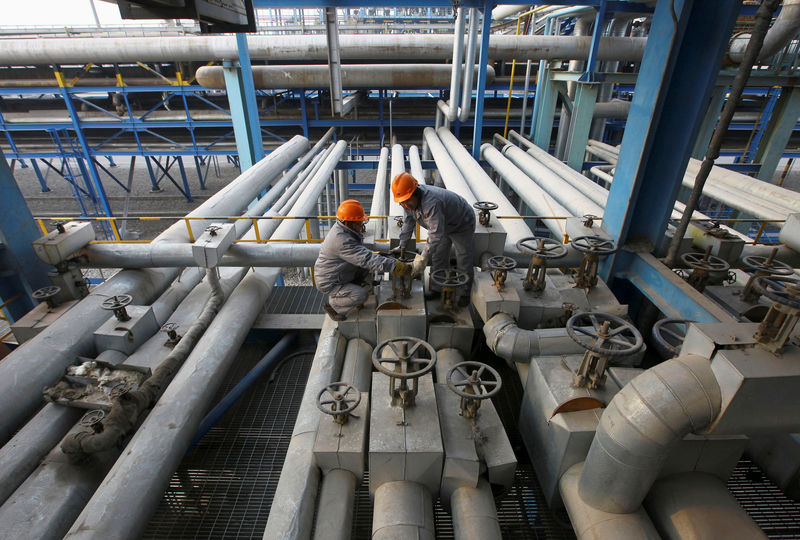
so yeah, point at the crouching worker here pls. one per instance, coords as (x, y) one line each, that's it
(344, 268)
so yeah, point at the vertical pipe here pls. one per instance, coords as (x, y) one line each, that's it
(458, 55)
(469, 65)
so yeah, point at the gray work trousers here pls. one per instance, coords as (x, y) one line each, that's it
(464, 246)
(346, 297)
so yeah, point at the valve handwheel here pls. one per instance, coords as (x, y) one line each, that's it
(604, 334)
(784, 290)
(92, 417)
(502, 263)
(449, 278)
(46, 292)
(544, 248)
(342, 398)
(669, 333)
(594, 245)
(484, 206)
(405, 352)
(701, 261)
(764, 264)
(472, 375)
(116, 302)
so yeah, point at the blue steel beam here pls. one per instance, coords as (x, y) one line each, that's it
(483, 61)
(779, 129)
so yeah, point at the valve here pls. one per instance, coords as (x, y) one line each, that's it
(669, 334)
(401, 285)
(48, 294)
(171, 329)
(604, 336)
(468, 380)
(485, 214)
(500, 265)
(780, 320)
(93, 419)
(412, 358)
(762, 266)
(542, 249)
(337, 404)
(449, 280)
(593, 248)
(702, 265)
(588, 220)
(117, 304)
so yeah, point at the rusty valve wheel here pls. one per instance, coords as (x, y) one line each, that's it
(541, 247)
(783, 290)
(468, 380)
(669, 334)
(604, 334)
(447, 277)
(701, 261)
(337, 403)
(594, 245)
(117, 305)
(46, 292)
(485, 208)
(403, 356)
(758, 263)
(501, 263)
(92, 418)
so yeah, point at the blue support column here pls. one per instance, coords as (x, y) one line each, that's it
(482, 63)
(779, 129)
(243, 107)
(678, 71)
(545, 107)
(22, 271)
(581, 123)
(716, 101)
(40, 176)
(154, 187)
(304, 112)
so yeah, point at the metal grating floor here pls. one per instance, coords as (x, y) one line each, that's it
(295, 300)
(777, 515)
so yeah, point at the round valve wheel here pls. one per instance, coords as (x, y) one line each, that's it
(604, 334)
(46, 292)
(595, 245)
(760, 263)
(116, 302)
(699, 261)
(472, 375)
(406, 355)
(449, 278)
(502, 263)
(169, 327)
(784, 290)
(669, 334)
(484, 206)
(92, 417)
(337, 401)
(544, 248)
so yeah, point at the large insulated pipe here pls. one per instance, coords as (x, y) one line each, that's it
(698, 505)
(402, 510)
(337, 496)
(485, 190)
(380, 200)
(641, 425)
(590, 523)
(414, 162)
(357, 366)
(474, 513)
(353, 76)
(422, 47)
(466, 89)
(510, 342)
(779, 35)
(448, 171)
(537, 199)
(455, 76)
(292, 508)
(398, 166)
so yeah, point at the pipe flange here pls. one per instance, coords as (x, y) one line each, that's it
(669, 334)
(604, 334)
(542, 247)
(337, 403)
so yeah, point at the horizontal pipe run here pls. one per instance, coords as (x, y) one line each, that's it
(448, 171)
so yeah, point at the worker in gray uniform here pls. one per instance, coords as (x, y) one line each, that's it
(450, 221)
(344, 268)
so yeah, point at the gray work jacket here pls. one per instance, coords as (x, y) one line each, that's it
(441, 212)
(343, 256)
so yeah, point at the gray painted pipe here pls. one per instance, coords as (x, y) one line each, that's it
(292, 508)
(455, 75)
(398, 166)
(434, 48)
(337, 496)
(512, 343)
(695, 505)
(445, 360)
(414, 163)
(380, 201)
(466, 88)
(537, 199)
(484, 189)
(357, 366)
(779, 35)
(593, 524)
(448, 171)
(474, 513)
(402, 510)
(641, 425)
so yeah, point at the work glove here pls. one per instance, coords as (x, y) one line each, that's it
(418, 266)
(395, 251)
(401, 269)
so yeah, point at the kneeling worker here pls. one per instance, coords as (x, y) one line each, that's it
(345, 265)
(449, 219)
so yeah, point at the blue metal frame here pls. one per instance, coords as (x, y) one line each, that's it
(483, 61)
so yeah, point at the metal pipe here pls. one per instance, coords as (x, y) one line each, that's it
(448, 171)
(484, 189)
(292, 508)
(780, 34)
(698, 505)
(427, 47)
(469, 66)
(474, 513)
(525, 95)
(357, 366)
(455, 76)
(414, 162)
(537, 199)
(402, 510)
(398, 166)
(640, 426)
(334, 59)
(380, 201)
(590, 523)
(512, 343)
(337, 497)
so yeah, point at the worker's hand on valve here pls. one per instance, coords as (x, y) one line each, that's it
(401, 269)
(395, 251)
(418, 266)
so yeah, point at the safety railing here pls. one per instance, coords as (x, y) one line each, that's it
(4, 317)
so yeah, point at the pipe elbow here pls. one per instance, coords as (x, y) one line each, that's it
(509, 341)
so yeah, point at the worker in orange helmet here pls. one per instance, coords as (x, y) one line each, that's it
(450, 221)
(344, 266)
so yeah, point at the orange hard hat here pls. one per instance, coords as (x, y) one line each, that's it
(351, 210)
(403, 187)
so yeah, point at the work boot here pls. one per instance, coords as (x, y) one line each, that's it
(332, 313)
